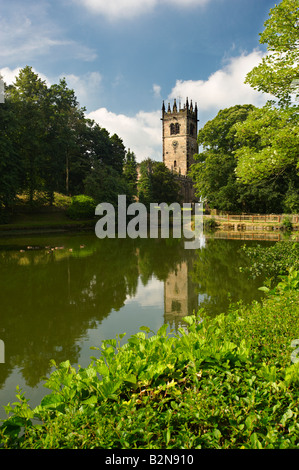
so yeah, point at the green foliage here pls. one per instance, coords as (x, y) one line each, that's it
(165, 187)
(210, 224)
(269, 140)
(10, 166)
(103, 183)
(81, 207)
(268, 145)
(145, 182)
(287, 224)
(28, 96)
(48, 145)
(274, 260)
(291, 201)
(131, 175)
(289, 282)
(245, 183)
(157, 184)
(227, 382)
(279, 69)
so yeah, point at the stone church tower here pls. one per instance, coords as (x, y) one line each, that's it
(179, 137)
(179, 133)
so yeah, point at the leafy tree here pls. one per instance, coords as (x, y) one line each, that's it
(278, 72)
(66, 125)
(269, 138)
(48, 144)
(131, 174)
(103, 183)
(103, 148)
(10, 164)
(291, 200)
(157, 183)
(117, 153)
(104, 180)
(236, 132)
(268, 144)
(145, 182)
(165, 186)
(28, 95)
(214, 171)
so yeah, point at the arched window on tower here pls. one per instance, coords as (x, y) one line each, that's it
(174, 164)
(174, 128)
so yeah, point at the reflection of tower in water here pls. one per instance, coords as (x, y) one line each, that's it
(180, 298)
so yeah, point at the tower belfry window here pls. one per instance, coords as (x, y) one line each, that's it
(174, 128)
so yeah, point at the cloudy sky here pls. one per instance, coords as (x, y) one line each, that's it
(124, 57)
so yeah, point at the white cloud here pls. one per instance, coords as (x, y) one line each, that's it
(9, 75)
(157, 90)
(224, 88)
(86, 87)
(151, 295)
(124, 9)
(141, 133)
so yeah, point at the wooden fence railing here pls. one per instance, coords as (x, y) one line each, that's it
(278, 218)
(267, 236)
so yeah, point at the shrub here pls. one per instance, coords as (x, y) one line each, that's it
(210, 224)
(287, 224)
(273, 260)
(81, 207)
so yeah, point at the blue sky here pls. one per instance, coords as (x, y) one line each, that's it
(123, 57)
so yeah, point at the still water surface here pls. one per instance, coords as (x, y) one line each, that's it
(62, 294)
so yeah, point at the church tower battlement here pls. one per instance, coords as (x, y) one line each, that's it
(179, 133)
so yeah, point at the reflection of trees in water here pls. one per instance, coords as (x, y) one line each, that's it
(50, 298)
(218, 278)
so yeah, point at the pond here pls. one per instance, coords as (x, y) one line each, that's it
(61, 294)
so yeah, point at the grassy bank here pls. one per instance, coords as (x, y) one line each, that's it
(228, 383)
(40, 216)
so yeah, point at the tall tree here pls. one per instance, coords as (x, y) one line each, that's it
(165, 185)
(66, 123)
(103, 183)
(157, 183)
(145, 182)
(214, 171)
(269, 139)
(10, 164)
(268, 144)
(28, 94)
(117, 153)
(278, 72)
(131, 174)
